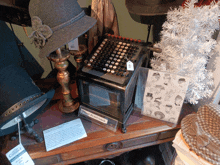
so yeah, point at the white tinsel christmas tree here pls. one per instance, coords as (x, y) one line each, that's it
(187, 45)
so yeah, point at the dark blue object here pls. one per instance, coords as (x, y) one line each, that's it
(18, 95)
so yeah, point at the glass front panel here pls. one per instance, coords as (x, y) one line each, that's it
(101, 98)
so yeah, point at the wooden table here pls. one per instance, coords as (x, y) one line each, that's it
(100, 142)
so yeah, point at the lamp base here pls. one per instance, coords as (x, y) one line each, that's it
(68, 109)
(27, 128)
(68, 104)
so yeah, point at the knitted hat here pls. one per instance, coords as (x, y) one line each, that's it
(202, 132)
(56, 23)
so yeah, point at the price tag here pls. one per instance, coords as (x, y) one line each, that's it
(130, 66)
(18, 155)
(74, 44)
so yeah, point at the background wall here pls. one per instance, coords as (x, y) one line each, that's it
(127, 26)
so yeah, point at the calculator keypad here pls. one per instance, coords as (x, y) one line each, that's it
(111, 57)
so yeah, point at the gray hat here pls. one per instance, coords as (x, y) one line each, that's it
(56, 23)
(201, 131)
(151, 7)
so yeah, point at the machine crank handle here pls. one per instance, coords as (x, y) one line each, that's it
(158, 50)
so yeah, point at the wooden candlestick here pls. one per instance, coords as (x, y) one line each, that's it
(78, 55)
(67, 105)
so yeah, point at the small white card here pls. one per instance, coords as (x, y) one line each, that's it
(74, 44)
(19, 156)
(64, 134)
(130, 66)
(94, 116)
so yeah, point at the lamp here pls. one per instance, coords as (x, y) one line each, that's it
(55, 24)
(21, 100)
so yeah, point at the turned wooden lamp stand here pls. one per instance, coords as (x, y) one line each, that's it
(68, 104)
(78, 55)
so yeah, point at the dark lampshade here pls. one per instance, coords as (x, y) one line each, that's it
(19, 95)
